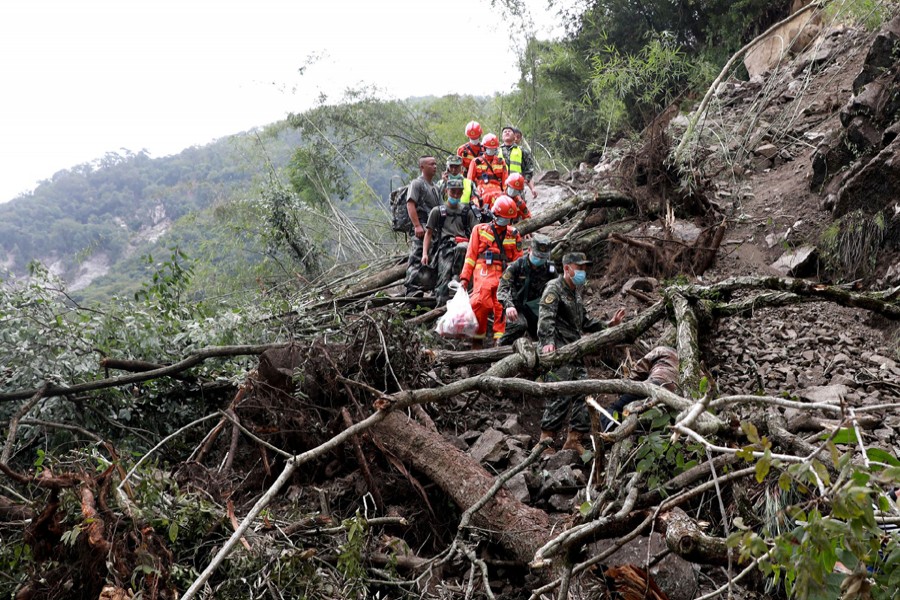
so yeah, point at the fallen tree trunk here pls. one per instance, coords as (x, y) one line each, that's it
(583, 201)
(879, 302)
(685, 538)
(518, 527)
(379, 279)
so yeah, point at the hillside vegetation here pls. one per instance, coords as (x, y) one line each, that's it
(245, 405)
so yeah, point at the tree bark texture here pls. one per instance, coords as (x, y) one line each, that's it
(518, 527)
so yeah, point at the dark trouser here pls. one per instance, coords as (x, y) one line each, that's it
(616, 407)
(419, 278)
(526, 323)
(450, 257)
(556, 410)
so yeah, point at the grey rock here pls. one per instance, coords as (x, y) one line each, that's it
(565, 477)
(868, 102)
(843, 380)
(641, 284)
(863, 134)
(882, 361)
(828, 394)
(796, 263)
(469, 437)
(892, 277)
(490, 447)
(547, 176)
(674, 575)
(562, 502)
(871, 185)
(518, 488)
(880, 57)
(511, 425)
(766, 151)
(456, 441)
(563, 458)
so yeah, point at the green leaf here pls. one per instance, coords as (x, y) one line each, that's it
(704, 386)
(762, 467)
(844, 435)
(750, 431)
(585, 508)
(784, 482)
(882, 456)
(173, 531)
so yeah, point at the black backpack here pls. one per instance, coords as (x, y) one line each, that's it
(399, 216)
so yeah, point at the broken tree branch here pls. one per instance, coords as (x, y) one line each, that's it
(581, 201)
(168, 371)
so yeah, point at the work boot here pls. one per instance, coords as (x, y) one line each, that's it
(548, 435)
(573, 442)
(477, 343)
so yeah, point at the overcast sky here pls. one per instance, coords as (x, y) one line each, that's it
(86, 77)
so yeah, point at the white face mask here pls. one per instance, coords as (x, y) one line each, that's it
(491, 151)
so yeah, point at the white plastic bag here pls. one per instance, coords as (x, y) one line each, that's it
(459, 321)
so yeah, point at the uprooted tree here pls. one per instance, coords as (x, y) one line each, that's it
(327, 470)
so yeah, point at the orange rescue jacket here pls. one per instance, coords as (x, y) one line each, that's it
(485, 250)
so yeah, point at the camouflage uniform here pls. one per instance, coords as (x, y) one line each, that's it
(563, 320)
(521, 286)
(420, 278)
(451, 228)
(659, 367)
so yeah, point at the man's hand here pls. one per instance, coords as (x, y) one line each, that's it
(424, 260)
(548, 349)
(512, 314)
(464, 283)
(617, 318)
(420, 231)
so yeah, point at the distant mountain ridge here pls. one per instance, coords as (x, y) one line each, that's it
(87, 218)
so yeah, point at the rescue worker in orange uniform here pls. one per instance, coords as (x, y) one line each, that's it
(515, 189)
(473, 148)
(492, 247)
(489, 171)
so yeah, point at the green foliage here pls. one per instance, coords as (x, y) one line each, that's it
(657, 457)
(638, 86)
(349, 561)
(813, 534)
(869, 14)
(45, 337)
(849, 247)
(620, 62)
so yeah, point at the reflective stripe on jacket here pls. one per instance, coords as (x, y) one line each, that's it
(485, 173)
(483, 241)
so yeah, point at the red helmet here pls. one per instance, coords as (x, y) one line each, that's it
(473, 130)
(505, 207)
(490, 141)
(516, 181)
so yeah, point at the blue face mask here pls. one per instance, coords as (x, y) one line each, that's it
(452, 201)
(501, 222)
(538, 262)
(579, 278)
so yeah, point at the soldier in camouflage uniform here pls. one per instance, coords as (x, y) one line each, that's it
(422, 197)
(448, 229)
(562, 320)
(521, 287)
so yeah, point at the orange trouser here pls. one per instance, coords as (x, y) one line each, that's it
(485, 281)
